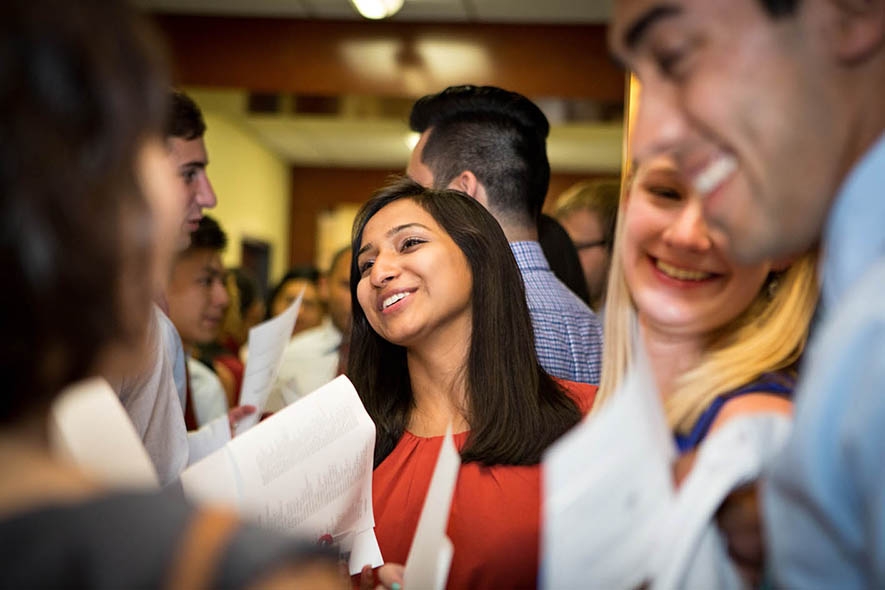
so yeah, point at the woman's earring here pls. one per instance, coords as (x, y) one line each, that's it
(772, 286)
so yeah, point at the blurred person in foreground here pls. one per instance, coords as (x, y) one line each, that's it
(723, 338)
(90, 214)
(733, 88)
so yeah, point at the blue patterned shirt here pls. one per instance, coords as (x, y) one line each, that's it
(568, 335)
(825, 498)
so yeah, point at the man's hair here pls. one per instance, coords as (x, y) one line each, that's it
(208, 236)
(514, 408)
(82, 87)
(498, 135)
(304, 272)
(184, 119)
(598, 196)
(778, 8)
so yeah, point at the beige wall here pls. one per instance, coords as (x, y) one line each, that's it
(253, 186)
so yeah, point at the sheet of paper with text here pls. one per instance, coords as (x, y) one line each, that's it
(306, 470)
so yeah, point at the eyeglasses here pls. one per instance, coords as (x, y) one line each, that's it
(593, 244)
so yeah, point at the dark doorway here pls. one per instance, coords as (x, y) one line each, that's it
(255, 258)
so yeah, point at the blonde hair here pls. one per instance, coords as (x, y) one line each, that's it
(769, 335)
(599, 196)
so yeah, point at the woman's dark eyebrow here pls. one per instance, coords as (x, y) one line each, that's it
(392, 232)
(364, 249)
(399, 228)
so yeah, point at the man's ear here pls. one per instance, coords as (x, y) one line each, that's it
(860, 28)
(466, 182)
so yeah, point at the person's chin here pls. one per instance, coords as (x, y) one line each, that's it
(183, 242)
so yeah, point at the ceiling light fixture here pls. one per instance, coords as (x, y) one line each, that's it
(377, 9)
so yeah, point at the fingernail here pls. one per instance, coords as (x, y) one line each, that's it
(396, 586)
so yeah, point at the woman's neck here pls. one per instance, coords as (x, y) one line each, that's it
(670, 355)
(438, 375)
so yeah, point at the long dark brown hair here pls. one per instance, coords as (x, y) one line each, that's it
(515, 410)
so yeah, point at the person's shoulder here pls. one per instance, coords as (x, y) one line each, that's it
(843, 372)
(549, 293)
(121, 539)
(853, 331)
(752, 403)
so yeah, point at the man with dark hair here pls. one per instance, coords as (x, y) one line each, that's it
(184, 139)
(197, 300)
(732, 89)
(491, 144)
(155, 398)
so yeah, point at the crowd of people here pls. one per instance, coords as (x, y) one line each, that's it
(741, 255)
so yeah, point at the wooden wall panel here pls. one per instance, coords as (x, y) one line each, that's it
(351, 57)
(317, 189)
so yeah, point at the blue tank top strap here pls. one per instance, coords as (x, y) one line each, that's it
(780, 383)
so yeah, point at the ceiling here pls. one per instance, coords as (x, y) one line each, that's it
(384, 141)
(514, 11)
(352, 141)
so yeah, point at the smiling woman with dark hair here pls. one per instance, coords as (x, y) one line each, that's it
(442, 335)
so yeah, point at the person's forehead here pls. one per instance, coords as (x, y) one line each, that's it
(202, 256)
(191, 261)
(215, 261)
(583, 214)
(392, 221)
(188, 150)
(295, 285)
(633, 19)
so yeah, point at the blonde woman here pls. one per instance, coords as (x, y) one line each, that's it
(723, 338)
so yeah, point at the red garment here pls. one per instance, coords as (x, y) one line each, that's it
(495, 519)
(233, 364)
